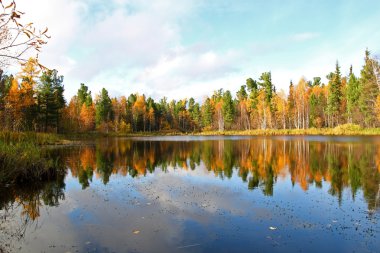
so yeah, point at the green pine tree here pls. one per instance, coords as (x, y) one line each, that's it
(228, 109)
(50, 99)
(103, 108)
(207, 113)
(352, 95)
(369, 90)
(335, 96)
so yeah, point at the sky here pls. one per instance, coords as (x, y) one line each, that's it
(189, 48)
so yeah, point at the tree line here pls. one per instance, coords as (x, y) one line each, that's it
(33, 101)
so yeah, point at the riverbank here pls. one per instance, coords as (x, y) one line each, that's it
(344, 130)
(23, 157)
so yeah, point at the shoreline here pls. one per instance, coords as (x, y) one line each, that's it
(271, 132)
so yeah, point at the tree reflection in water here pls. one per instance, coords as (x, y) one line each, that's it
(20, 206)
(260, 162)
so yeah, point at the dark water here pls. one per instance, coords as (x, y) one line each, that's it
(202, 194)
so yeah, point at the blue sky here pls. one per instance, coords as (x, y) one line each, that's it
(189, 48)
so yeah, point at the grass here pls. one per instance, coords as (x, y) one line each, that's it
(30, 137)
(345, 130)
(23, 158)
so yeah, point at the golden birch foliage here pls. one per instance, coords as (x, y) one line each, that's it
(151, 116)
(87, 117)
(281, 107)
(139, 107)
(13, 106)
(377, 107)
(29, 75)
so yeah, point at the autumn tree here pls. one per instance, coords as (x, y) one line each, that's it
(301, 104)
(291, 105)
(125, 125)
(13, 107)
(139, 113)
(242, 100)
(28, 76)
(86, 108)
(87, 117)
(279, 104)
(151, 113)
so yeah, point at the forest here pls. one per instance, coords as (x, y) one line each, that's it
(33, 100)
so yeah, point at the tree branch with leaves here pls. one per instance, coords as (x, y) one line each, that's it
(16, 39)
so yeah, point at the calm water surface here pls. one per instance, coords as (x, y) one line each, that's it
(202, 194)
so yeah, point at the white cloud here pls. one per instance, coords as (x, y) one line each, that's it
(133, 46)
(183, 74)
(63, 20)
(299, 37)
(92, 39)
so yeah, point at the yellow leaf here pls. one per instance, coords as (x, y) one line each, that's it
(27, 34)
(9, 6)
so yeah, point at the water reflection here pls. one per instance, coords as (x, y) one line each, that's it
(114, 182)
(20, 207)
(260, 162)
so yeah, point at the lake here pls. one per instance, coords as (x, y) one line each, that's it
(201, 194)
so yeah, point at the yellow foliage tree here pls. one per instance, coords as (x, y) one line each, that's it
(87, 117)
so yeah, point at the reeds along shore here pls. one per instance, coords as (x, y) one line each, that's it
(23, 157)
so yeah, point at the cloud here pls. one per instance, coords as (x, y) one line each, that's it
(135, 46)
(299, 37)
(188, 64)
(153, 47)
(187, 72)
(63, 20)
(91, 39)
